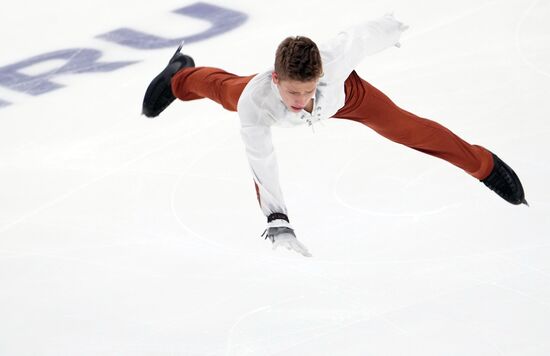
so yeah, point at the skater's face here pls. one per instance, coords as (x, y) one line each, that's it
(296, 94)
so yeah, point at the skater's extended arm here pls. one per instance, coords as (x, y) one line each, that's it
(263, 163)
(343, 53)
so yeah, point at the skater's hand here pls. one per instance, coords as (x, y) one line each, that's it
(283, 236)
(401, 27)
(395, 22)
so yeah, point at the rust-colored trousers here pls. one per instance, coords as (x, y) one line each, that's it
(364, 104)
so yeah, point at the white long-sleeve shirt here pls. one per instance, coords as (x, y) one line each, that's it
(260, 105)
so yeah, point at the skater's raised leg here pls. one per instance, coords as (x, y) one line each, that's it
(212, 83)
(368, 105)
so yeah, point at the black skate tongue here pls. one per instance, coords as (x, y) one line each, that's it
(177, 51)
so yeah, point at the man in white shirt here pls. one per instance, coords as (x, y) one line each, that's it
(309, 84)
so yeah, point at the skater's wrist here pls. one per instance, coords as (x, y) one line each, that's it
(277, 216)
(278, 220)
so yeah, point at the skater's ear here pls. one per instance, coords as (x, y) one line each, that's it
(275, 77)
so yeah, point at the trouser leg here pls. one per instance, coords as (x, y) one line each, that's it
(212, 83)
(369, 106)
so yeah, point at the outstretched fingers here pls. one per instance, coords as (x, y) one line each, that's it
(300, 248)
(292, 244)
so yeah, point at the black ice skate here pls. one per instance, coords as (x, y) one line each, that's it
(504, 181)
(159, 93)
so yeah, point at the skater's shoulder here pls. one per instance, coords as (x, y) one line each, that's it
(259, 89)
(261, 79)
(261, 99)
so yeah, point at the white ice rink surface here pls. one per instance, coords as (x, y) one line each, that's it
(121, 235)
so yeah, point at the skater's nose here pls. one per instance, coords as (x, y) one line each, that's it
(301, 100)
